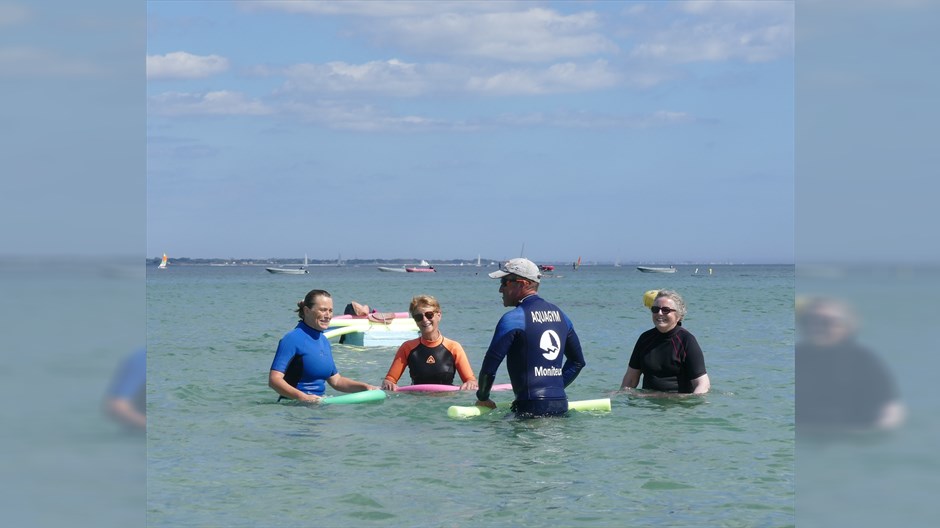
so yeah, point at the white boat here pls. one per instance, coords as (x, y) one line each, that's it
(290, 271)
(653, 269)
(385, 268)
(162, 262)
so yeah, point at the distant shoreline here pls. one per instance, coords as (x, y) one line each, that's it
(183, 261)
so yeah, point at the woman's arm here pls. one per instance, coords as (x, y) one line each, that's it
(464, 369)
(276, 382)
(701, 384)
(397, 368)
(630, 379)
(344, 384)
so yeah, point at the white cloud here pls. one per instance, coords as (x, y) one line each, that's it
(374, 9)
(505, 31)
(557, 78)
(399, 79)
(391, 77)
(534, 35)
(592, 120)
(182, 65)
(712, 31)
(210, 103)
(735, 8)
(718, 42)
(361, 118)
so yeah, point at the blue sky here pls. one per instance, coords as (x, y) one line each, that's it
(651, 132)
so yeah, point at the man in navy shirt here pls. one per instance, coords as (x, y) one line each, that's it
(542, 350)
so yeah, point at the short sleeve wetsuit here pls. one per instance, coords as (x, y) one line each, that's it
(431, 362)
(668, 361)
(305, 354)
(543, 356)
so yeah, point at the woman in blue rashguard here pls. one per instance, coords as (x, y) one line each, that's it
(303, 363)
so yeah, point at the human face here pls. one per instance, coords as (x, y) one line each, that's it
(511, 287)
(427, 327)
(662, 321)
(320, 314)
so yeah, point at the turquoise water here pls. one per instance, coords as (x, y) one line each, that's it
(222, 452)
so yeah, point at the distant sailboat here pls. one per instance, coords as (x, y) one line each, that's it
(478, 260)
(290, 271)
(162, 262)
(577, 264)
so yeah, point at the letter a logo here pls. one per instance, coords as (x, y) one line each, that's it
(550, 344)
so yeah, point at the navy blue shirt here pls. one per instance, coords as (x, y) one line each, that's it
(542, 351)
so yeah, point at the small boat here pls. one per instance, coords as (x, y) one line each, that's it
(385, 268)
(290, 271)
(546, 267)
(421, 270)
(423, 267)
(653, 269)
(162, 262)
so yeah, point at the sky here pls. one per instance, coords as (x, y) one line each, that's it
(639, 132)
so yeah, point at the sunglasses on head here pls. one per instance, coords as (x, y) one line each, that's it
(666, 310)
(418, 316)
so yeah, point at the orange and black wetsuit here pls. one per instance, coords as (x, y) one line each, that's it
(431, 362)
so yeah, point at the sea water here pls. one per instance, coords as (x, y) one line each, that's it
(222, 452)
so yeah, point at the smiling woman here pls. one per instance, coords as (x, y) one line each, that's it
(667, 356)
(431, 358)
(303, 363)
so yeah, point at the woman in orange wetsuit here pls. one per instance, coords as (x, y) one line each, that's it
(431, 358)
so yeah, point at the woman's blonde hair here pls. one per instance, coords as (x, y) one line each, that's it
(428, 300)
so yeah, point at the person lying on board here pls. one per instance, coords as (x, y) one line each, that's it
(303, 363)
(354, 308)
(431, 358)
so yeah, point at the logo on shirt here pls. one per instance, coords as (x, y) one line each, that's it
(430, 360)
(550, 344)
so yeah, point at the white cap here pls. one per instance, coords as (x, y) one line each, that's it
(522, 267)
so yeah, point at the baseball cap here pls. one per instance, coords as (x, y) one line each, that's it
(522, 267)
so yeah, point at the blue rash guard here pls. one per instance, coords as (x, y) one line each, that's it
(534, 337)
(309, 346)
